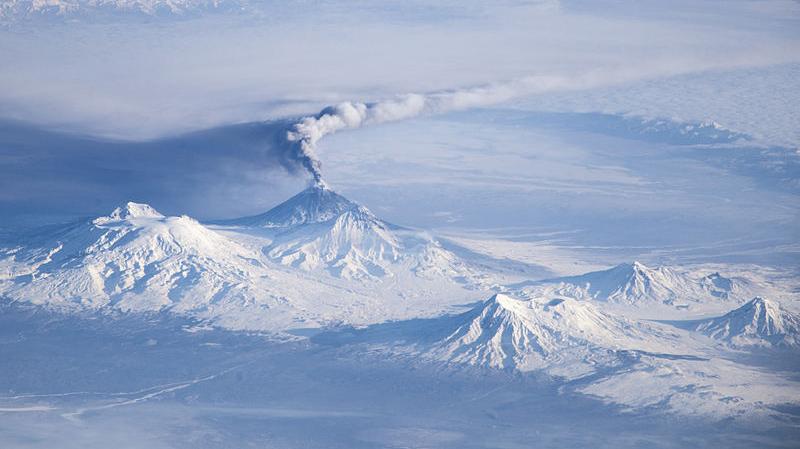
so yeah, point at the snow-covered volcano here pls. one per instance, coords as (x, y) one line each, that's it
(759, 322)
(316, 204)
(137, 259)
(318, 229)
(639, 285)
(562, 337)
(583, 348)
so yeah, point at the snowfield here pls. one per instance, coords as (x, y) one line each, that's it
(322, 271)
(636, 289)
(320, 230)
(324, 267)
(759, 322)
(391, 224)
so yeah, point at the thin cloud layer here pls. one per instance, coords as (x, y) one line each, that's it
(140, 80)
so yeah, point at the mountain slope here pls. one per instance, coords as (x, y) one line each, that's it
(633, 364)
(563, 337)
(638, 285)
(318, 229)
(315, 204)
(136, 259)
(759, 322)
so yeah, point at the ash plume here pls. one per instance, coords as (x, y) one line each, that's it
(304, 135)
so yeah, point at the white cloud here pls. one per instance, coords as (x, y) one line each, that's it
(138, 80)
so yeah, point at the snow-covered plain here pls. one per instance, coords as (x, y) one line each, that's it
(320, 276)
(579, 230)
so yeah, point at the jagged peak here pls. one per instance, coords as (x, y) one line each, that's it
(531, 334)
(317, 203)
(755, 306)
(131, 210)
(758, 301)
(500, 298)
(758, 308)
(502, 301)
(634, 268)
(754, 322)
(528, 307)
(630, 283)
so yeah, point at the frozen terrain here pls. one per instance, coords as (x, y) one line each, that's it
(320, 230)
(399, 224)
(137, 260)
(319, 260)
(759, 322)
(249, 320)
(184, 386)
(637, 288)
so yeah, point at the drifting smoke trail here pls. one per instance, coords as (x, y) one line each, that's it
(304, 135)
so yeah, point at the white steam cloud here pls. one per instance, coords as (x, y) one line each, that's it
(304, 135)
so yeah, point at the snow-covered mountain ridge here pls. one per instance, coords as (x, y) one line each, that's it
(316, 204)
(633, 364)
(759, 322)
(136, 259)
(637, 285)
(318, 229)
(565, 337)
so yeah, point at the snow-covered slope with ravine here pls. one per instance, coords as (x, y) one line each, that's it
(564, 337)
(633, 364)
(136, 259)
(316, 204)
(320, 230)
(638, 285)
(759, 322)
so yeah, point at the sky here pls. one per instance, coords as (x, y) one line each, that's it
(136, 78)
(190, 112)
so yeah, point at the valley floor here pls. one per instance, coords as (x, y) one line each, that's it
(94, 382)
